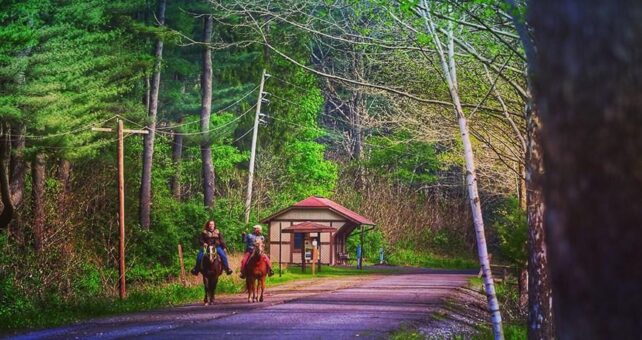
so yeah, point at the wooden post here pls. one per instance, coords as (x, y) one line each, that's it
(121, 200)
(121, 209)
(250, 179)
(315, 258)
(180, 261)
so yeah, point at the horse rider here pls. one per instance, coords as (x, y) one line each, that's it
(212, 236)
(250, 241)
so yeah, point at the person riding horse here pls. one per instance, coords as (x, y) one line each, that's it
(212, 236)
(250, 241)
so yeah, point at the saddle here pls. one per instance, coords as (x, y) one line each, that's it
(212, 255)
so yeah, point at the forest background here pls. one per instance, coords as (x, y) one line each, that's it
(356, 109)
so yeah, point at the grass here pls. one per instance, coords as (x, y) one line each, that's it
(141, 297)
(407, 257)
(406, 332)
(512, 331)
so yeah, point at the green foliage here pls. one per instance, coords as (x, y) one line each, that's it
(406, 332)
(511, 332)
(510, 222)
(373, 242)
(409, 257)
(407, 162)
(293, 135)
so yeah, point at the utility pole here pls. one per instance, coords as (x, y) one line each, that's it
(121, 198)
(255, 132)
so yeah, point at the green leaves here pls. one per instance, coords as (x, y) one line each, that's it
(400, 158)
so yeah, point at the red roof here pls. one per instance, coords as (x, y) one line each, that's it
(308, 227)
(321, 202)
(324, 203)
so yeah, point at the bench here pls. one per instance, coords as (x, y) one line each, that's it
(344, 258)
(500, 272)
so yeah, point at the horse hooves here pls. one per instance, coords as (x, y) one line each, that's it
(261, 299)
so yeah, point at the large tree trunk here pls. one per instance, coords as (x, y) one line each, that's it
(206, 111)
(148, 147)
(18, 167)
(5, 194)
(540, 311)
(177, 156)
(38, 200)
(587, 89)
(541, 324)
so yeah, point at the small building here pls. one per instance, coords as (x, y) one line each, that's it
(315, 219)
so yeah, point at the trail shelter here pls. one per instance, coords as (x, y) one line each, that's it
(313, 221)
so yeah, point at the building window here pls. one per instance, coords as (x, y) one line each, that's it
(298, 241)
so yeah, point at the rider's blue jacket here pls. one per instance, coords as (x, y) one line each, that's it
(250, 240)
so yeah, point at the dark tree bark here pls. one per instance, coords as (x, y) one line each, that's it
(17, 165)
(206, 111)
(38, 200)
(5, 194)
(63, 175)
(177, 157)
(148, 146)
(540, 309)
(521, 186)
(587, 89)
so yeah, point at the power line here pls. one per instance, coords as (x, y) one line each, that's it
(219, 111)
(207, 131)
(245, 134)
(292, 84)
(80, 129)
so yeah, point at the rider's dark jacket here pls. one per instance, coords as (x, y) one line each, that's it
(213, 238)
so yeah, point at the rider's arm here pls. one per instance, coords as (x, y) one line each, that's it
(203, 239)
(221, 240)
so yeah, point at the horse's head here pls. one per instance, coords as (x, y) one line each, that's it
(259, 248)
(212, 254)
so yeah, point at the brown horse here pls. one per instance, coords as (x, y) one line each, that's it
(212, 269)
(256, 270)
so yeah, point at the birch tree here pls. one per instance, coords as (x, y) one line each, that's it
(446, 52)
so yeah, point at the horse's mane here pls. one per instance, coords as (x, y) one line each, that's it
(259, 248)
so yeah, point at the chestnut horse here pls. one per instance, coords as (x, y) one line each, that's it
(212, 269)
(256, 270)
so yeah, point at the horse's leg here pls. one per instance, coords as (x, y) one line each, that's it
(262, 283)
(248, 286)
(256, 289)
(215, 283)
(205, 289)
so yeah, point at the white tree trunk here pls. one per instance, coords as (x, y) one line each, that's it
(447, 59)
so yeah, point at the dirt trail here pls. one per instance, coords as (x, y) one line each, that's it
(346, 307)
